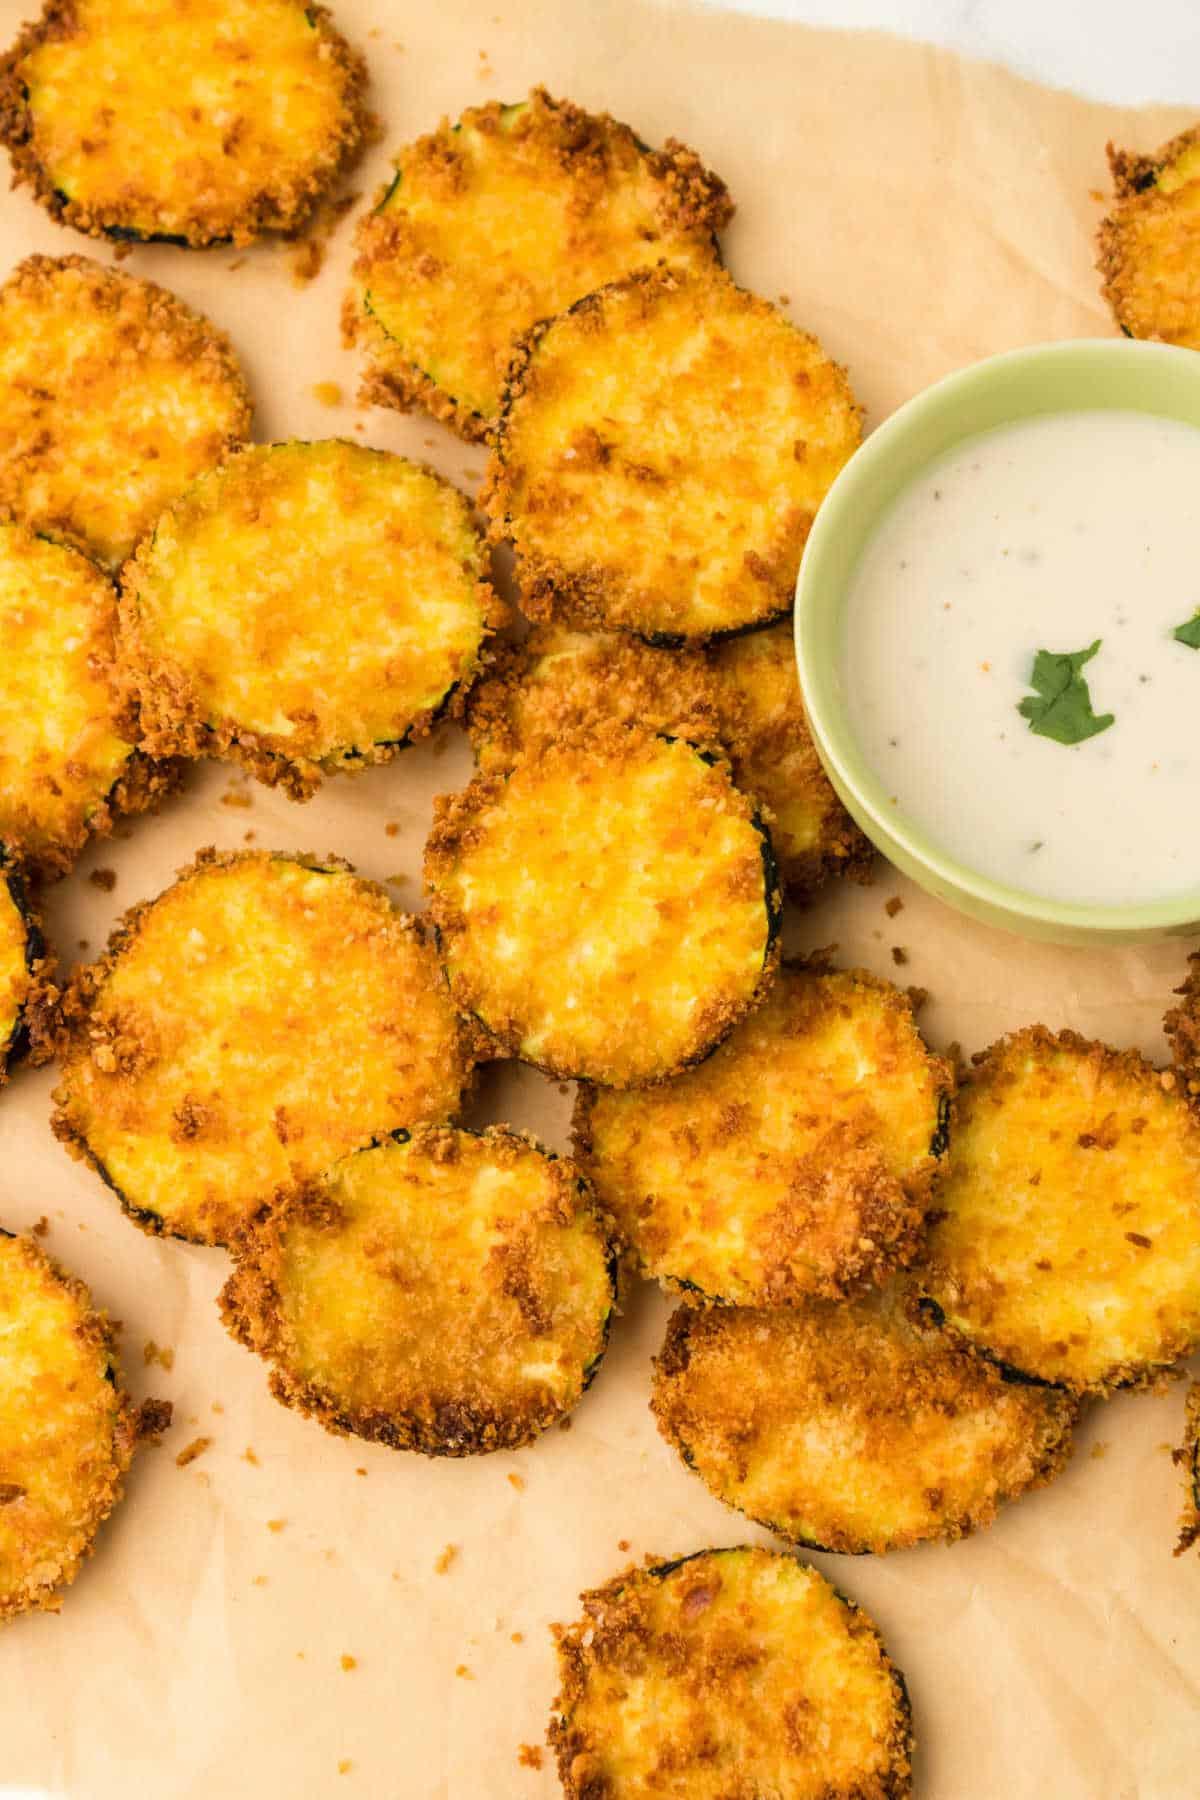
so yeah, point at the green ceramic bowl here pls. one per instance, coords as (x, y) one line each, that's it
(1117, 374)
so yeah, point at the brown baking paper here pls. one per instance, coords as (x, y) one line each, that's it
(918, 211)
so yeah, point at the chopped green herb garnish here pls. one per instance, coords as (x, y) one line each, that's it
(1062, 706)
(1189, 633)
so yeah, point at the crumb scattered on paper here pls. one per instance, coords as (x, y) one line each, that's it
(445, 1558)
(899, 955)
(249, 1456)
(236, 797)
(161, 1354)
(529, 1756)
(191, 1451)
(1098, 1450)
(348, 1662)
(515, 1480)
(104, 879)
(893, 906)
(518, 1637)
(41, 1227)
(464, 1673)
(328, 393)
(276, 1524)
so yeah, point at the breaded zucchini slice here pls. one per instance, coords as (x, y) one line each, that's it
(262, 1017)
(607, 910)
(1182, 1025)
(562, 682)
(764, 726)
(797, 1160)
(730, 1672)
(441, 1291)
(1066, 1243)
(503, 219)
(661, 452)
(1150, 242)
(21, 963)
(114, 395)
(1188, 1458)
(304, 608)
(67, 1429)
(852, 1425)
(194, 121)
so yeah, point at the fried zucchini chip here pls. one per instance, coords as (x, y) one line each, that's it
(306, 607)
(1182, 1025)
(261, 1018)
(21, 950)
(764, 726)
(852, 1425)
(194, 121)
(114, 395)
(67, 1430)
(1150, 243)
(1067, 1238)
(608, 909)
(661, 452)
(797, 1160)
(442, 1291)
(1188, 1458)
(725, 1676)
(489, 225)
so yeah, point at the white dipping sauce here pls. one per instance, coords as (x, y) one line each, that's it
(1043, 535)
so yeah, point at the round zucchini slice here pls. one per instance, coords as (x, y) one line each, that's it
(194, 121)
(503, 219)
(1182, 1025)
(661, 452)
(765, 728)
(1066, 1243)
(797, 1160)
(264, 1016)
(67, 1431)
(608, 909)
(853, 1426)
(442, 1291)
(738, 1671)
(1150, 243)
(20, 953)
(113, 396)
(306, 607)
(1188, 1458)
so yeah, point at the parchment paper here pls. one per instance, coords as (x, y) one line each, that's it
(920, 211)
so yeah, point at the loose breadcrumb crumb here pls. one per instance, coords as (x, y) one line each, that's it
(249, 1456)
(41, 1228)
(899, 954)
(518, 1637)
(517, 1481)
(529, 1756)
(236, 797)
(623, 1545)
(348, 1662)
(104, 879)
(164, 1357)
(345, 1766)
(328, 393)
(893, 906)
(260, 1581)
(276, 1524)
(445, 1559)
(360, 1471)
(191, 1451)
(464, 1673)
(1098, 1450)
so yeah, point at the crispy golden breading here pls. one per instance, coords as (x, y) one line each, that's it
(17, 952)
(730, 1675)
(765, 728)
(67, 1429)
(1067, 1238)
(114, 395)
(262, 1017)
(852, 1425)
(660, 455)
(198, 121)
(1182, 1025)
(306, 607)
(1188, 1458)
(1150, 243)
(447, 1292)
(797, 1160)
(608, 909)
(489, 225)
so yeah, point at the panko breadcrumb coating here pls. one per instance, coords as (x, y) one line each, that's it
(606, 910)
(1150, 242)
(67, 1428)
(855, 1425)
(443, 1291)
(1066, 1243)
(503, 219)
(197, 121)
(1182, 1025)
(799, 1159)
(114, 395)
(661, 452)
(1188, 1458)
(729, 1675)
(20, 951)
(264, 1016)
(305, 608)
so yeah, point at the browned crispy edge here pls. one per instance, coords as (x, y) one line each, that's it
(252, 1311)
(1133, 176)
(32, 1035)
(1187, 1457)
(267, 212)
(1182, 1026)
(133, 1424)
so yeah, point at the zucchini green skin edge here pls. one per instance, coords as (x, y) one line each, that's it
(18, 1043)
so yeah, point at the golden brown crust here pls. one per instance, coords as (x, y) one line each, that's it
(1188, 1459)
(282, 199)
(28, 993)
(1182, 1025)
(1149, 245)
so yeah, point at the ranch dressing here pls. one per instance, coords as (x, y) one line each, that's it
(1043, 535)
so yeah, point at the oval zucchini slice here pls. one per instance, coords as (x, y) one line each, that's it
(262, 1017)
(503, 219)
(305, 608)
(1182, 1025)
(114, 395)
(608, 909)
(740, 1671)
(67, 1430)
(194, 121)
(661, 452)
(1150, 243)
(799, 1159)
(1067, 1238)
(852, 1426)
(442, 1291)
(1188, 1458)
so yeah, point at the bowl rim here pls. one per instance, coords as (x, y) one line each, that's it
(829, 722)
